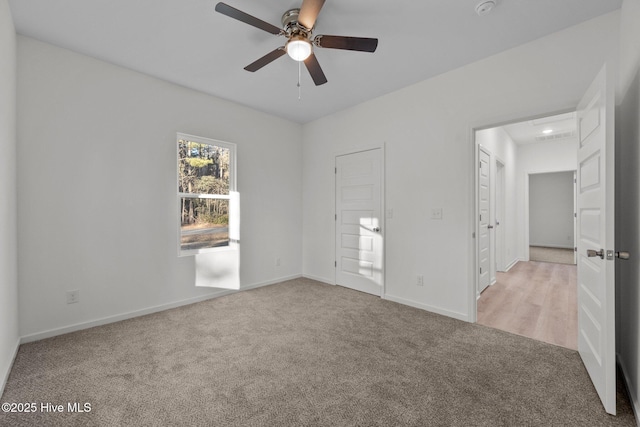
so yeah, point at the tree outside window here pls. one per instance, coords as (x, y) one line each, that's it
(206, 180)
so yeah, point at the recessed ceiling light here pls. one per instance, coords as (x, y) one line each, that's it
(485, 7)
(547, 131)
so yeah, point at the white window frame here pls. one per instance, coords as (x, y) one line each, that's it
(233, 216)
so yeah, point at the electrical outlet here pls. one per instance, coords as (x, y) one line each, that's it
(420, 280)
(436, 213)
(73, 297)
(389, 213)
(278, 262)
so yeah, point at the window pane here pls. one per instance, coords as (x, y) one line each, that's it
(202, 168)
(205, 223)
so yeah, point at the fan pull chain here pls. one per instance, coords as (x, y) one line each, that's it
(299, 74)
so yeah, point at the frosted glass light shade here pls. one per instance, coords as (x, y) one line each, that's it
(299, 49)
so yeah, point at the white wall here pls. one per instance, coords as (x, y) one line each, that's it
(543, 157)
(427, 128)
(503, 149)
(8, 219)
(551, 209)
(97, 181)
(628, 201)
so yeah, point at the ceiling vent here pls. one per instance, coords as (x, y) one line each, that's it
(556, 136)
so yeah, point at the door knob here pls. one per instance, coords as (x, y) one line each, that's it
(376, 229)
(592, 253)
(622, 255)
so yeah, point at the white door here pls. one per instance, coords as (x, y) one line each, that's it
(499, 219)
(575, 217)
(359, 221)
(595, 205)
(484, 203)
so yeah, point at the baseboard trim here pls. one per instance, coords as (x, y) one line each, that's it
(270, 282)
(5, 375)
(551, 246)
(142, 312)
(318, 279)
(633, 397)
(426, 307)
(512, 264)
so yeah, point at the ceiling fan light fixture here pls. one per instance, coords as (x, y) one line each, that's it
(297, 27)
(298, 48)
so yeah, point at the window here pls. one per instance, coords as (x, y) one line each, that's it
(206, 193)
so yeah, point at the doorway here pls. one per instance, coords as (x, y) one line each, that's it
(593, 154)
(530, 298)
(552, 217)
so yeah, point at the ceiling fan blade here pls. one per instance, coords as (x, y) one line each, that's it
(316, 72)
(309, 12)
(265, 60)
(234, 13)
(361, 44)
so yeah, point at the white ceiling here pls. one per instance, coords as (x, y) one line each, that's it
(188, 43)
(552, 128)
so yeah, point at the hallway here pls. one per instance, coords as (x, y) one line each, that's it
(536, 300)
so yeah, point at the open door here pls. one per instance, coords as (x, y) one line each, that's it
(484, 215)
(596, 268)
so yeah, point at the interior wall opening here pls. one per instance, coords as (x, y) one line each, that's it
(552, 217)
(528, 233)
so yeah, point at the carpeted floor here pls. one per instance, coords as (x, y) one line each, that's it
(303, 353)
(555, 255)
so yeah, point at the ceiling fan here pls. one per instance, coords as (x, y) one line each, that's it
(297, 27)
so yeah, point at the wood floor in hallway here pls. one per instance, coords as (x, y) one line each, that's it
(536, 300)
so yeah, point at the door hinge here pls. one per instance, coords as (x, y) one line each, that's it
(336, 170)
(575, 215)
(480, 270)
(335, 263)
(336, 218)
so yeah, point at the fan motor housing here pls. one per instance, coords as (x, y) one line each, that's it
(290, 17)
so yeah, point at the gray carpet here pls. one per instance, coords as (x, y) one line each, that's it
(303, 353)
(554, 255)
